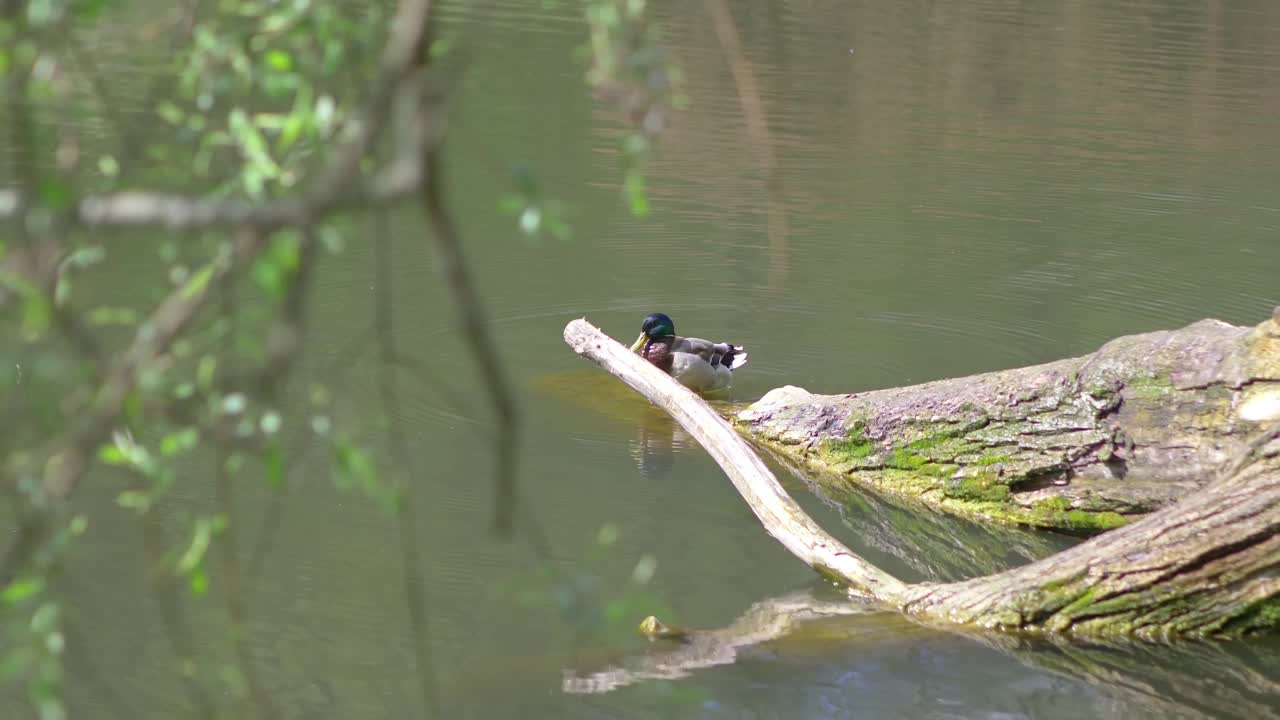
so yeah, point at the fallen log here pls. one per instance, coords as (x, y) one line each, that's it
(1207, 566)
(1082, 444)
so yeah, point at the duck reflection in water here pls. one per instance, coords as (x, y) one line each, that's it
(655, 445)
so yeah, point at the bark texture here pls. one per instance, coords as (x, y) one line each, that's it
(1081, 444)
(1209, 565)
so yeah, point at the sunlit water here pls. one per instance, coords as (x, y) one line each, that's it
(959, 187)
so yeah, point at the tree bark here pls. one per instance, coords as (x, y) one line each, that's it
(1082, 444)
(1207, 566)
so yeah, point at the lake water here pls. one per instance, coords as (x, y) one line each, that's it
(956, 187)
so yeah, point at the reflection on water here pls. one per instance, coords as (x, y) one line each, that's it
(935, 189)
(863, 647)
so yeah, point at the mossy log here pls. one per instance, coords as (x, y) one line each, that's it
(1083, 444)
(1208, 565)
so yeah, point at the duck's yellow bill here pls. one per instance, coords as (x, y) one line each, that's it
(639, 343)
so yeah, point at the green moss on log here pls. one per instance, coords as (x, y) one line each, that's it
(1056, 512)
(980, 488)
(1261, 616)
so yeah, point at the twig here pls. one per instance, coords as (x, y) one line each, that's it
(470, 314)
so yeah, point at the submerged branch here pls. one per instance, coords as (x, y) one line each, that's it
(690, 650)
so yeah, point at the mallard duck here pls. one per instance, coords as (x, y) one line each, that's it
(700, 365)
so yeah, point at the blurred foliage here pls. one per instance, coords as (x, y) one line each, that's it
(633, 75)
(600, 597)
(249, 99)
(630, 70)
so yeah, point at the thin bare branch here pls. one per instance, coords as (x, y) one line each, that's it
(470, 313)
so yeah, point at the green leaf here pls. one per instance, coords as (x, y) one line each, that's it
(45, 618)
(36, 314)
(269, 121)
(134, 500)
(112, 455)
(61, 290)
(180, 441)
(511, 203)
(275, 267)
(252, 145)
(279, 60)
(85, 257)
(197, 283)
(103, 316)
(90, 9)
(355, 470)
(201, 537)
(55, 194)
(171, 113)
(199, 582)
(352, 467)
(108, 166)
(634, 187)
(273, 463)
(291, 130)
(21, 589)
(276, 22)
(133, 407)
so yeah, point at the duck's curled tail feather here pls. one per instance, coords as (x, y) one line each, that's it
(732, 356)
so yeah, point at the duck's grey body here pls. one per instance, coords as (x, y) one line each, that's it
(700, 365)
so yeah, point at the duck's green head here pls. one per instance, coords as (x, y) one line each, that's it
(654, 327)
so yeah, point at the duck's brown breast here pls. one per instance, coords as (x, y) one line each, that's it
(659, 355)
